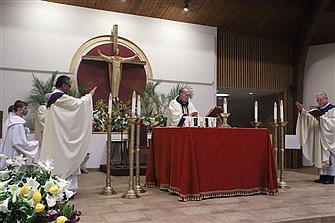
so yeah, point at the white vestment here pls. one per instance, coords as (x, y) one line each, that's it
(14, 141)
(175, 112)
(39, 122)
(6, 123)
(39, 126)
(67, 132)
(317, 139)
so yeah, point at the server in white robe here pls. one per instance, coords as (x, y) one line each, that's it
(11, 112)
(67, 130)
(14, 142)
(316, 135)
(179, 107)
(39, 122)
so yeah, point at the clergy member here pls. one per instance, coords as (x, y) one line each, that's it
(316, 137)
(15, 140)
(67, 130)
(179, 107)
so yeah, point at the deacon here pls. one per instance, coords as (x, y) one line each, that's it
(15, 140)
(67, 130)
(316, 135)
(179, 107)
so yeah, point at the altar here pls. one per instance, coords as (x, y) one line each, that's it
(200, 163)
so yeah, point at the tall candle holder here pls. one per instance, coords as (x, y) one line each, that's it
(138, 188)
(108, 189)
(131, 193)
(275, 127)
(223, 120)
(282, 125)
(255, 124)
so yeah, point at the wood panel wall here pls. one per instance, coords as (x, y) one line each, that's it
(246, 62)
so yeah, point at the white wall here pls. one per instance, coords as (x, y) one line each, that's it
(319, 76)
(319, 73)
(41, 37)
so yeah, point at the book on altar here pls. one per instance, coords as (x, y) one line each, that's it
(316, 112)
(214, 112)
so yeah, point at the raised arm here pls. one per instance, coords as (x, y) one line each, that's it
(106, 58)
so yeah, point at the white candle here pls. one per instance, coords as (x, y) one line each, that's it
(225, 105)
(275, 112)
(138, 106)
(133, 104)
(256, 111)
(110, 105)
(281, 110)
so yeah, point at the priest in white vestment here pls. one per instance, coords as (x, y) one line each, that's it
(14, 141)
(67, 130)
(316, 135)
(180, 107)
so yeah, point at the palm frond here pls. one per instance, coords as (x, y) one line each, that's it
(40, 88)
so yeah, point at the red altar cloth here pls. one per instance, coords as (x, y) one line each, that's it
(199, 163)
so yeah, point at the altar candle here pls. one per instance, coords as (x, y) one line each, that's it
(225, 105)
(275, 112)
(133, 104)
(256, 111)
(138, 106)
(281, 110)
(110, 105)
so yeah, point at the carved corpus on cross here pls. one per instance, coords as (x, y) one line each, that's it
(114, 63)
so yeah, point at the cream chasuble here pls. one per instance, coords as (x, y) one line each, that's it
(317, 139)
(175, 112)
(67, 133)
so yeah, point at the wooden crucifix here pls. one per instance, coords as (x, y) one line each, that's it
(115, 62)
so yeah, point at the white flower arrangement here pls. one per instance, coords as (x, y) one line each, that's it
(34, 195)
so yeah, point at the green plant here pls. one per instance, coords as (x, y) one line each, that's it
(120, 115)
(154, 105)
(40, 88)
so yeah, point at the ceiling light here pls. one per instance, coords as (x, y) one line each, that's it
(186, 6)
(222, 95)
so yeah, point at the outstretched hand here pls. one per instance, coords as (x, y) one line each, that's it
(299, 106)
(193, 114)
(92, 92)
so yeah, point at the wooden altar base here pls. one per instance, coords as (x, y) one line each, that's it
(118, 170)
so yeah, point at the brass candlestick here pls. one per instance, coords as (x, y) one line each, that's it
(108, 189)
(282, 183)
(131, 194)
(275, 127)
(255, 124)
(223, 117)
(138, 188)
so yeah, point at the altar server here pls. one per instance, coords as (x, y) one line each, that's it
(15, 140)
